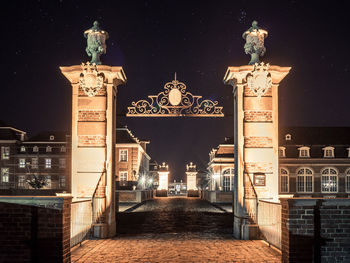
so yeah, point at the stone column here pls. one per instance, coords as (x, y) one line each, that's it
(94, 90)
(255, 89)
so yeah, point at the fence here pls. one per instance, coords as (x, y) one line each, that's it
(81, 221)
(269, 221)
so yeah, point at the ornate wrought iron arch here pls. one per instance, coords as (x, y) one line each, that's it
(175, 101)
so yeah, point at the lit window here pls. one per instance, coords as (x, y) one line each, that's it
(5, 152)
(304, 151)
(62, 181)
(284, 175)
(48, 149)
(304, 180)
(288, 137)
(123, 176)
(123, 155)
(347, 181)
(63, 149)
(21, 181)
(48, 181)
(348, 152)
(228, 179)
(329, 181)
(48, 163)
(62, 163)
(35, 149)
(35, 163)
(52, 137)
(328, 152)
(22, 163)
(5, 175)
(282, 152)
(23, 149)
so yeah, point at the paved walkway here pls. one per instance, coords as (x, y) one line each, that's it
(174, 230)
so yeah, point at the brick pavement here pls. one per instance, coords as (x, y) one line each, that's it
(175, 230)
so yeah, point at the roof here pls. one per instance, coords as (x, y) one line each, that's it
(124, 135)
(324, 136)
(46, 137)
(7, 133)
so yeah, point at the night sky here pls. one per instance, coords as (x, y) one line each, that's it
(154, 39)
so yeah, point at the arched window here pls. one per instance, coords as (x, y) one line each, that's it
(305, 180)
(228, 179)
(284, 175)
(329, 181)
(347, 181)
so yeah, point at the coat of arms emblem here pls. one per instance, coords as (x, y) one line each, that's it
(259, 80)
(91, 81)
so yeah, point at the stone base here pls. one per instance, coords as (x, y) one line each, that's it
(162, 193)
(244, 230)
(100, 230)
(193, 193)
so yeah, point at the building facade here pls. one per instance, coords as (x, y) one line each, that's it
(132, 161)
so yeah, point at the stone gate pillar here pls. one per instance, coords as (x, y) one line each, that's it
(94, 90)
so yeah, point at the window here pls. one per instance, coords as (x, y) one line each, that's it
(304, 151)
(347, 181)
(5, 152)
(348, 152)
(123, 155)
(284, 175)
(282, 152)
(21, 181)
(329, 181)
(328, 152)
(123, 176)
(63, 149)
(35, 163)
(62, 163)
(288, 137)
(52, 137)
(304, 180)
(35, 149)
(48, 163)
(48, 181)
(62, 181)
(5, 175)
(48, 149)
(23, 149)
(228, 179)
(22, 163)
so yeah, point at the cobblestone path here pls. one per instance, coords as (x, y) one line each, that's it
(174, 230)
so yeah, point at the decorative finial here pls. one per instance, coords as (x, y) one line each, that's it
(254, 45)
(175, 76)
(96, 42)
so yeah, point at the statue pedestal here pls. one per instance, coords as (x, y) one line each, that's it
(94, 90)
(255, 89)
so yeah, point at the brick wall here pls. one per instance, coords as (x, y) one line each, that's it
(92, 115)
(31, 233)
(315, 230)
(257, 142)
(258, 116)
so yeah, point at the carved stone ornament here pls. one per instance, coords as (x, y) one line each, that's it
(259, 80)
(91, 81)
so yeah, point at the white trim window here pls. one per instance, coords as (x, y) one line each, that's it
(288, 137)
(123, 176)
(5, 152)
(61, 181)
(48, 149)
(22, 163)
(52, 137)
(62, 163)
(63, 149)
(304, 152)
(35, 163)
(35, 149)
(21, 181)
(328, 152)
(284, 175)
(329, 180)
(347, 181)
(228, 179)
(23, 149)
(47, 163)
(5, 174)
(48, 181)
(123, 155)
(282, 151)
(305, 180)
(348, 152)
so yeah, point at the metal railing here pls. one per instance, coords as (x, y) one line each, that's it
(81, 221)
(269, 221)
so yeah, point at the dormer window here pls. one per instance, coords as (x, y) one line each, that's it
(52, 137)
(282, 152)
(35, 149)
(48, 149)
(288, 137)
(328, 152)
(23, 149)
(63, 149)
(304, 152)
